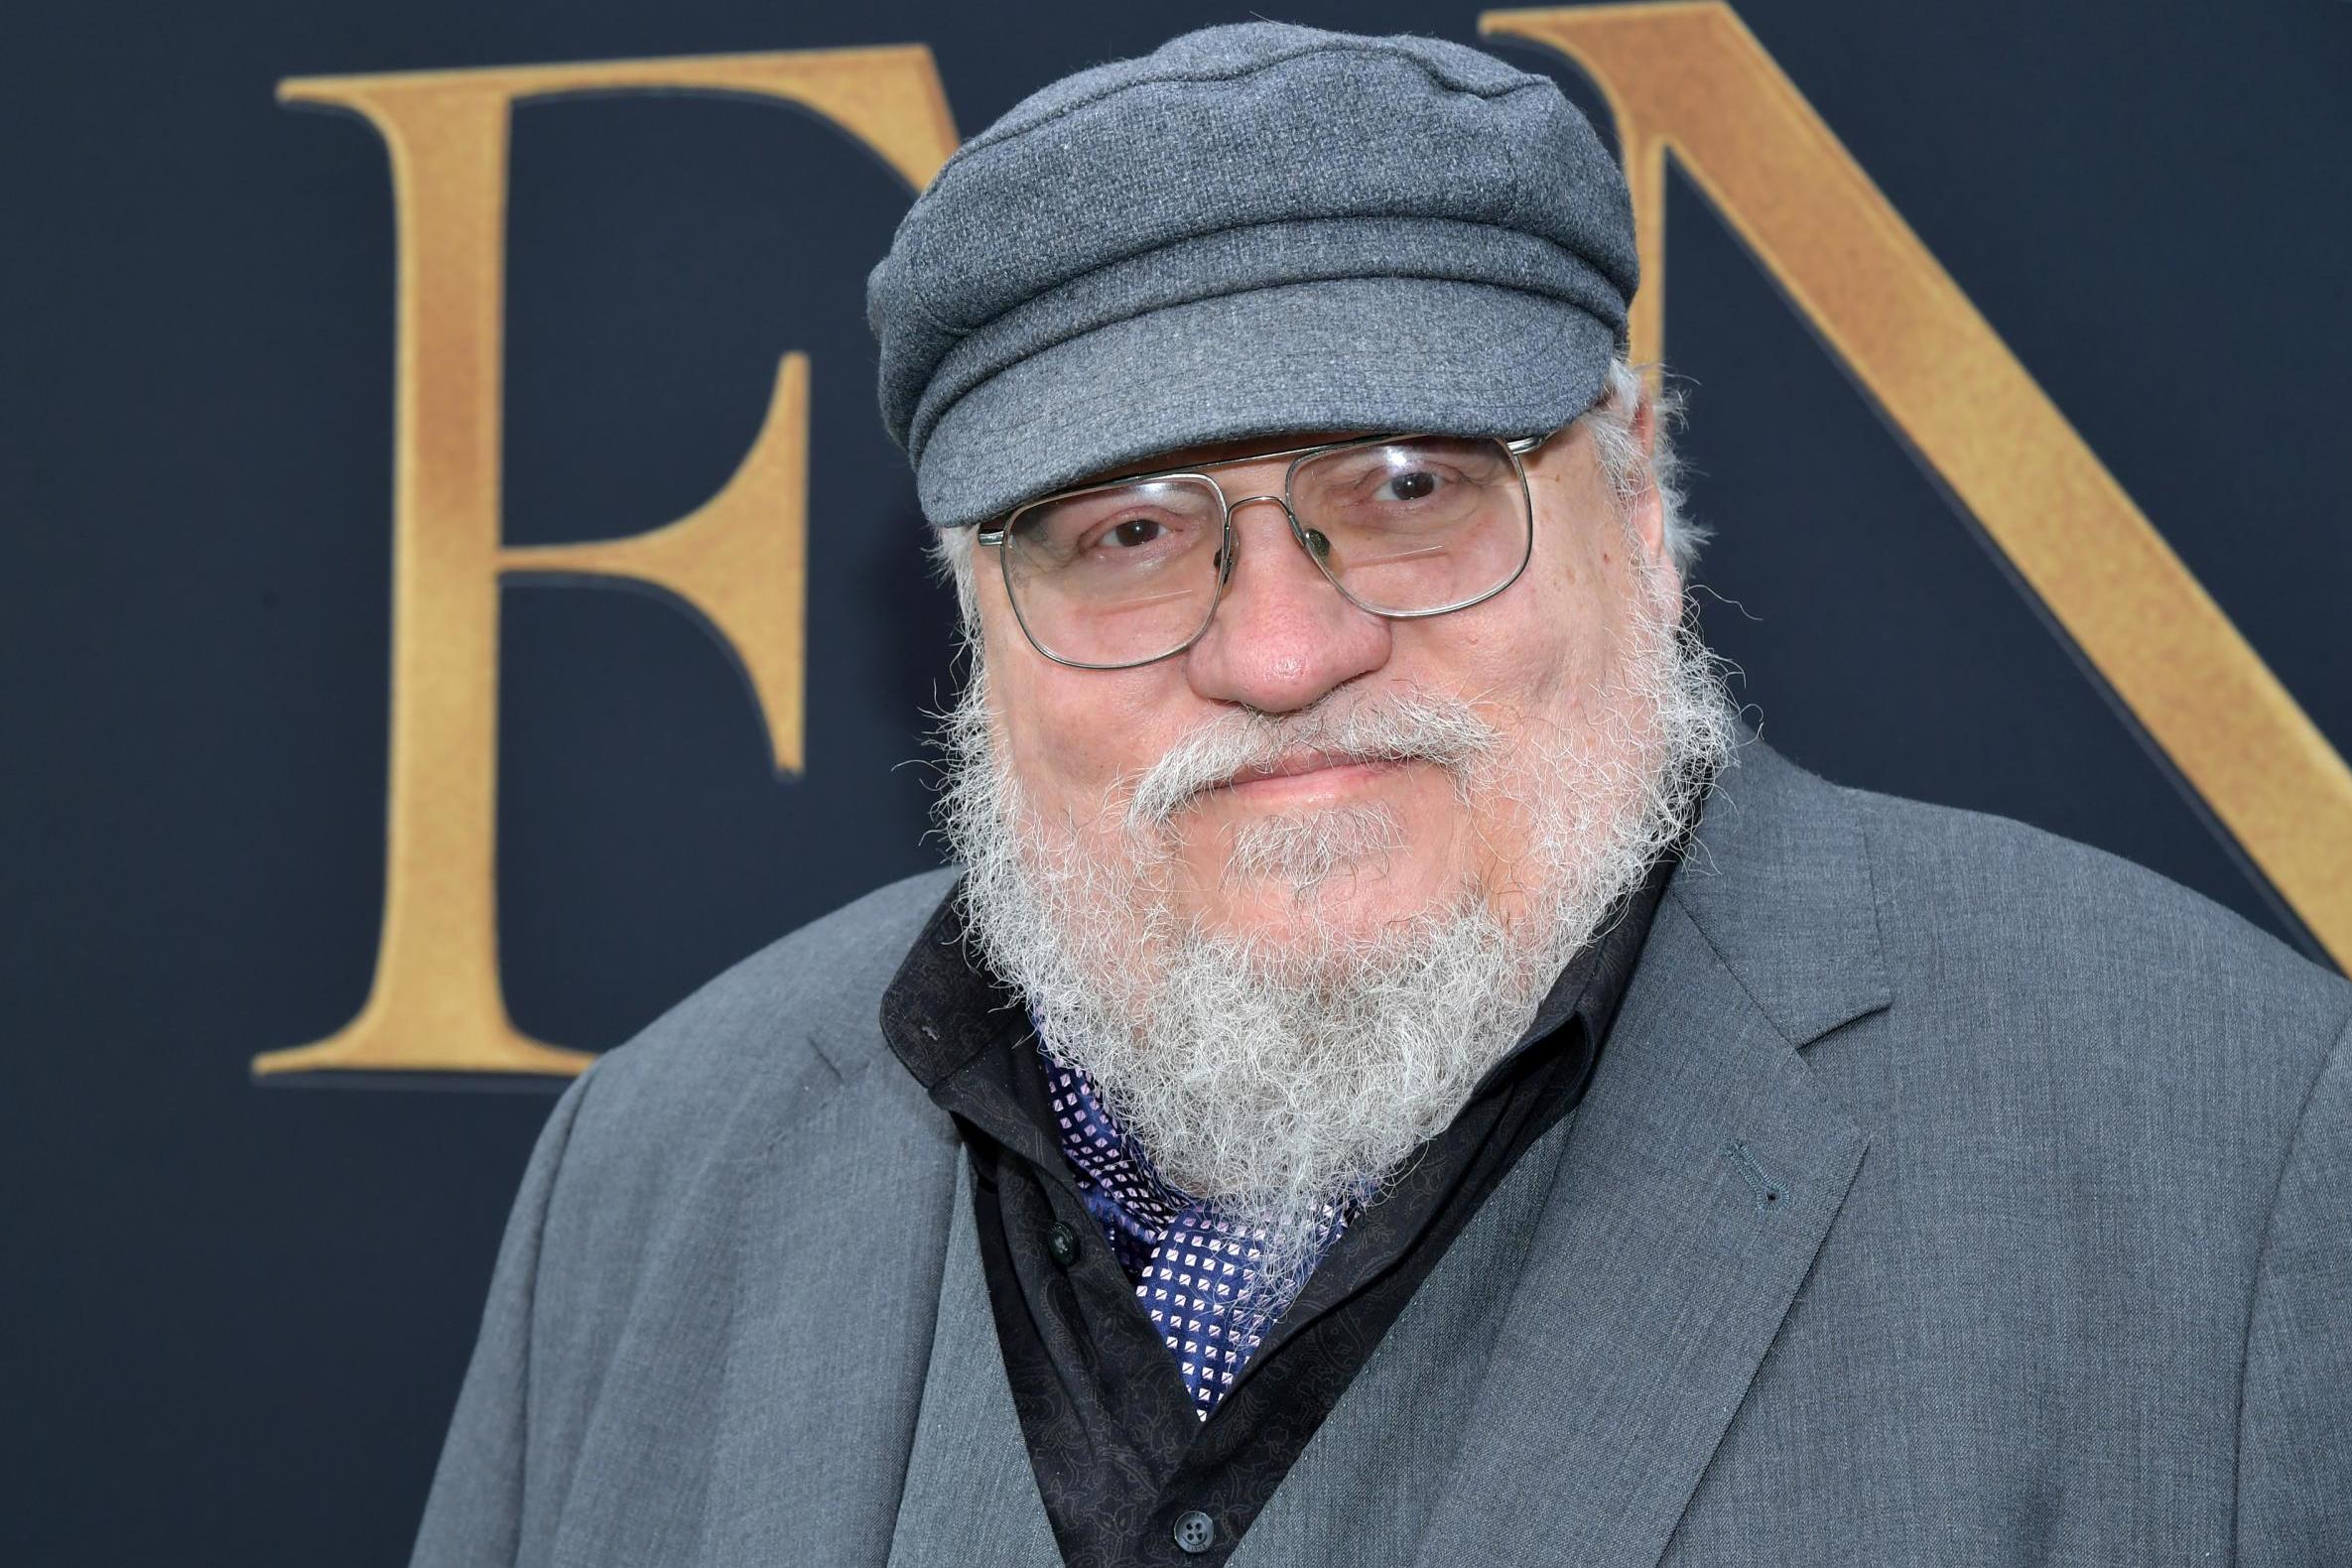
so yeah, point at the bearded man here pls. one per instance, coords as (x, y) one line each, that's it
(1395, 1077)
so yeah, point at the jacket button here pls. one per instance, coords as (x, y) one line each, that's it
(1196, 1532)
(1061, 1243)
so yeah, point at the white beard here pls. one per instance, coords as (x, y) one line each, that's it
(1287, 1083)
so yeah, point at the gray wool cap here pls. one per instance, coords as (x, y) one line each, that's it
(1254, 230)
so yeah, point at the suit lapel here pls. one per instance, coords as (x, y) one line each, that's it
(845, 1219)
(1702, 1174)
(971, 1461)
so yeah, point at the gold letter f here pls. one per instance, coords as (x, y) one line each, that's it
(437, 1003)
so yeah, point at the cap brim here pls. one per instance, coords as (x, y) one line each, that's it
(1371, 354)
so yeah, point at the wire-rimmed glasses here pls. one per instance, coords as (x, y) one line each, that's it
(1110, 575)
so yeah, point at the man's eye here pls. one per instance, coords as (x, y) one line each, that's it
(1418, 484)
(1135, 531)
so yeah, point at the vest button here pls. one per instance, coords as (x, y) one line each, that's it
(1061, 1243)
(1196, 1532)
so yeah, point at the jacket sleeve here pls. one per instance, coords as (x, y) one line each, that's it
(2294, 1432)
(474, 1516)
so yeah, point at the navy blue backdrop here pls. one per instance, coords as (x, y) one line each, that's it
(236, 1315)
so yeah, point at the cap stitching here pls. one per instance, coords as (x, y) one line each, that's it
(1503, 225)
(1063, 340)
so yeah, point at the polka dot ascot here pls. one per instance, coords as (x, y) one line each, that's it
(1188, 1262)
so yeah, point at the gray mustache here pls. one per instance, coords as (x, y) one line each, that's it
(1411, 727)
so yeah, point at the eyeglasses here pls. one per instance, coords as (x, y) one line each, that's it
(1107, 577)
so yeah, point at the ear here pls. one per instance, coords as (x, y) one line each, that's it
(1646, 513)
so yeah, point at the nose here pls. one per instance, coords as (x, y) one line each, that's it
(1282, 635)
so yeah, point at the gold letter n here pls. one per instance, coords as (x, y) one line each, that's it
(1690, 77)
(436, 1003)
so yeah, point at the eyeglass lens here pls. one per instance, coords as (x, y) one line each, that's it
(1125, 573)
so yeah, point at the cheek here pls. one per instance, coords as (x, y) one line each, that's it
(1535, 650)
(1072, 734)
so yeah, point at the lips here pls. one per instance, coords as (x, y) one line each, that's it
(1300, 763)
(1264, 757)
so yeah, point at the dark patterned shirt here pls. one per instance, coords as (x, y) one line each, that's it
(1125, 1462)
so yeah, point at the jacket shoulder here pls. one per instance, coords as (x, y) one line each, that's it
(680, 1161)
(2084, 938)
(801, 1014)
(647, 1138)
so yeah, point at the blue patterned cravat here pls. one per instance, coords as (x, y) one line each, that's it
(1187, 1263)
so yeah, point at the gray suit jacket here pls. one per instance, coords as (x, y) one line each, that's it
(1947, 1193)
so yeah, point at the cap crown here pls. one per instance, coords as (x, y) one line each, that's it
(1231, 159)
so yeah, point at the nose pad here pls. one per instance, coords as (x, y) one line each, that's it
(1300, 638)
(1313, 542)
(1317, 547)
